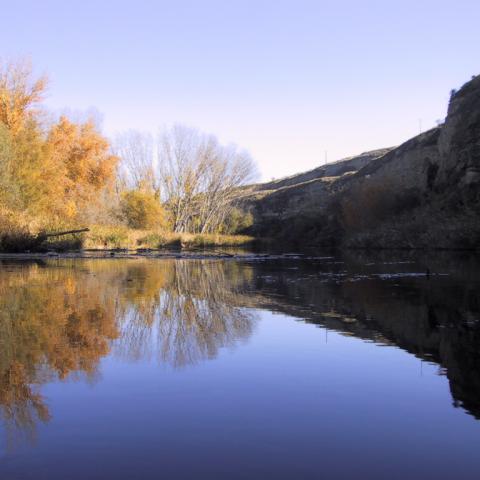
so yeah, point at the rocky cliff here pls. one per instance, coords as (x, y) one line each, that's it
(424, 193)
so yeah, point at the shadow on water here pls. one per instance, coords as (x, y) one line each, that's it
(58, 319)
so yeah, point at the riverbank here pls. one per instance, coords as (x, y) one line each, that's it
(111, 238)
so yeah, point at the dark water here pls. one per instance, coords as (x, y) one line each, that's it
(354, 367)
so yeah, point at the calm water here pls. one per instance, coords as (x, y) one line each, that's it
(332, 368)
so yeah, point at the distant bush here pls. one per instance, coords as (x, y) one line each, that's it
(142, 210)
(238, 221)
(64, 244)
(101, 236)
(160, 240)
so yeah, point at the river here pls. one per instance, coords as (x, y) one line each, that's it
(321, 366)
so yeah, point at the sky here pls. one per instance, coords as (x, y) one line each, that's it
(296, 83)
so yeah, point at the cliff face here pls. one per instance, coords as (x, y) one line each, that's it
(285, 207)
(459, 142)
(424, 193)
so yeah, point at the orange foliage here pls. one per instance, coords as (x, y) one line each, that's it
(56, 175)
(58, 323)
(82, 156)
(18, 94)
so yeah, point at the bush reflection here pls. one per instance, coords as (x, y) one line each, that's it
(58, 321)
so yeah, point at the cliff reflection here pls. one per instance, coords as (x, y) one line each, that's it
(58, 320)
(373, 297)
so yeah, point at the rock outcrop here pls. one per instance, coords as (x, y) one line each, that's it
(424, 193)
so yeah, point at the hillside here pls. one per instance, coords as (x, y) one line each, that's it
(334, 169)
(301, 195)
(424, 193)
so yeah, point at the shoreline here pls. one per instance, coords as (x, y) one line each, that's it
(218, 254)
(151, 254)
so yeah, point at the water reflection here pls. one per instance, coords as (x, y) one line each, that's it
(52, 323)
(184, 312)
(392, 301)
(60, 318)
(57, 320)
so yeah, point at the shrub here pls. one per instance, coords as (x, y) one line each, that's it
(142, 210)
(64, 244)
(160, 240)
(15, 234)
(237, 221)
(107, 237)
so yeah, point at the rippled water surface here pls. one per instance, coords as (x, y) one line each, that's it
(322, 367)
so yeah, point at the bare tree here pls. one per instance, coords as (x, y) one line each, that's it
(136, 152)
(201, 179)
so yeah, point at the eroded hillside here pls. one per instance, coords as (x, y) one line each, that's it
(424, 193)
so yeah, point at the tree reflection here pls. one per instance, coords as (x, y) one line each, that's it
(21, 405)
(196, 313)
(52, 323)
(58, 322)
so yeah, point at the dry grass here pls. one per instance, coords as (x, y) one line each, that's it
(101, 237)
(18, 236)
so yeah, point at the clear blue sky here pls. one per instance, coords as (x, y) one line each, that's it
(286, 80)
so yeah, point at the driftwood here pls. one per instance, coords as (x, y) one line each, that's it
(41, 237)
(68, 232)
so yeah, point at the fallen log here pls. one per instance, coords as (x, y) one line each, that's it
(68, 232)
(41, 237)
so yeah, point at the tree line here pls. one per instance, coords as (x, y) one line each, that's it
(59, 173)
(196, 178)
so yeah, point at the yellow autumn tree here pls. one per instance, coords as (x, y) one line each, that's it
(50, 176)
(22, 157)
(19, 94)
(141, 209)
(85, 165)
